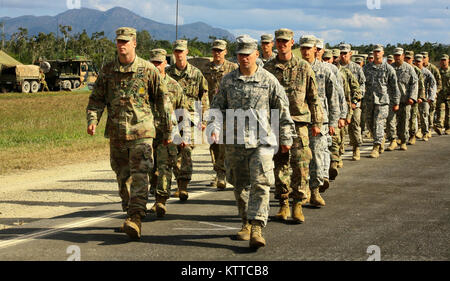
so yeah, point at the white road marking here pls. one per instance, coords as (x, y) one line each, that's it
(219, 227)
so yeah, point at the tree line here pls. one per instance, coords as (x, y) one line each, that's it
(28, 48)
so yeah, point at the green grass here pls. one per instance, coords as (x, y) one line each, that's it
(44, 130)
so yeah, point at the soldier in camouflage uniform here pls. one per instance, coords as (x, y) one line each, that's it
(443, 104)
(267, 53)
(327, 87)
(130, 88)
(398, 121)
(430, 96)
(195, 89)
(249, 159)
(354, 128)
(213, 73)
(437, 76)
(297, 78)
(390, 59)
(336, 56)
(165, 156)
(381, 92)
(409, 57)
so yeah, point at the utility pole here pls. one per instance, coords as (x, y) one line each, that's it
(176, 25)
(3, 34)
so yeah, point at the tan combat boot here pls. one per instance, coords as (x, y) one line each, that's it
(340, 164)
(160, 206)
(213, 183)
(182, 189)
(256, 238)
(244, 233)
(392, 146)
(383, 142)
(425, 137)
(132, 226)
(297, 212)
(412, 140)
(375, 151)
(221, 183)
(284, 211)
(333, 170)
(429, 134)
(153, 209)
(447, 131)
(325, 186)
(356, 153)
(316, 199)
(403, 146)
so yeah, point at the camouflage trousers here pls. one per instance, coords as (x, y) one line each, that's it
(363, 125)
(337, 144)
(250, 171)
(183, 168)
(376, 115)
(431, 117)
(217, 152)
(354, 128)
(413, 119)
(292, 168)
(132, 161)
(424, 109)
(320, 161)
(398, 123)
(443, 112)
(166, 159)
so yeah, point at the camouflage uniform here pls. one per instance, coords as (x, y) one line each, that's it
(430, 95)
(381, 92)
(213, 75)
(415, 107)
(398, 122)
(249, 165)
(195, 89)
(327, 87)
(297, 78)
(437, 76)
(267, 38)
(130, 94)
(443, 104)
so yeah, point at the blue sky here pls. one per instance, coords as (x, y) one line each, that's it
(352, 21)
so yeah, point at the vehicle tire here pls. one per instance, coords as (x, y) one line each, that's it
(66, 85)
(75, 84)
(34, 86)
(26, 87)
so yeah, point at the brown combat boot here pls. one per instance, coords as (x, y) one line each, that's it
(297, 213)
(160, 206)
(375, 151)
(356, 153)
(256, 238)
(132, 226)
(182, 189)
(244, 233)
(412, 140)
(284, 211)
(221, 182)
(403, 146)
(392, 146)
(316, 199)
(333, 170)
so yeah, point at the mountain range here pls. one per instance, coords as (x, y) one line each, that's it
(108, 21)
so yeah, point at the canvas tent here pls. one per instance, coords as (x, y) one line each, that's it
(7, 61)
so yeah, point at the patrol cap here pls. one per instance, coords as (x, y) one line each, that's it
(390, 57)
(266, 38)
(307, 41)
(180, 45)
(319, 43)
(345, 48)
(359, 59)
(336, 52)
(398, 51)
(378, 48)
(424, 54)
(418, 57)
(246, 45)
(125, 33)
(158, 55)
(370, 56)
(444, 57)
(409, 54)
(219, 44)
(284, 33)
(327, 54)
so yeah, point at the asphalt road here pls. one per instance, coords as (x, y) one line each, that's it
(396, 207)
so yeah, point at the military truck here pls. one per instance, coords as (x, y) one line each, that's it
(69, 74)
(14, 76)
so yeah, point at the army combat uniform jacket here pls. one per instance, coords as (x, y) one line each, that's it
(381, 84)
(214, 75)
(407, 82)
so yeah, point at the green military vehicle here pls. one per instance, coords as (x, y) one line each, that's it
(69, 74)
(14, 76)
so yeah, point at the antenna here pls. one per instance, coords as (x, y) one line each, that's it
(176, 25)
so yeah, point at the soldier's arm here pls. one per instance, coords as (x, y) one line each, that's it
(333, 99)
(433, 89)
(159, 93)
(355, 89)
(438, 79)
(413, 85)
(280, 101)
(203, 95)
(421, 86)
(362, 81)
(342, 101)
(97, 101)
(312, 99)
(393, 91)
